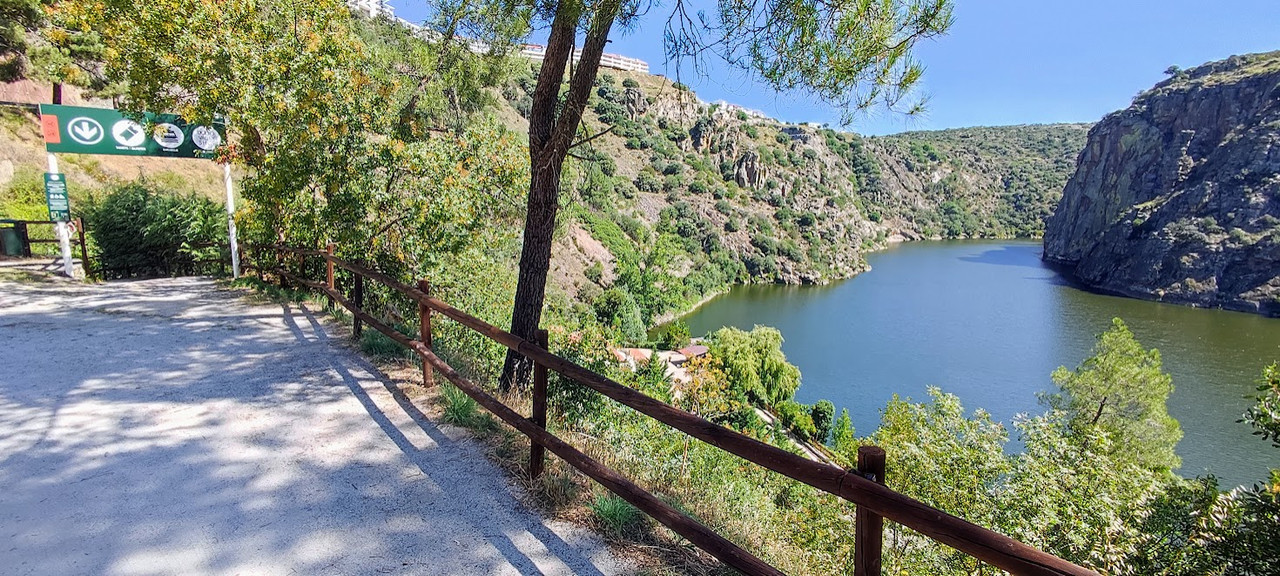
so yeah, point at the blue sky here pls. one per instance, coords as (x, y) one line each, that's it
(1009, 61)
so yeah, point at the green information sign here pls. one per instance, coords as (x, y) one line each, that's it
(55, 193)
(79, 130)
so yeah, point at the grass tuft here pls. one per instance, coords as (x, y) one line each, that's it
(616, 516)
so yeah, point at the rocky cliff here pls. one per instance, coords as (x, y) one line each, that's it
(1177, 198)
(678, 198)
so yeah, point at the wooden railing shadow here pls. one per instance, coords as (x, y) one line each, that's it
(863, 486)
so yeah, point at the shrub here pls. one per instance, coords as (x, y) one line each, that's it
(460, 409)
(142, 232)
(823, 414)
(594, 272)
(674, 336)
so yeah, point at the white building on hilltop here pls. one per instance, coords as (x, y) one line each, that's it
(615, 61)
(372, 8)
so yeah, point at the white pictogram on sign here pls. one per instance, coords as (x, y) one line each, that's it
(86, 131)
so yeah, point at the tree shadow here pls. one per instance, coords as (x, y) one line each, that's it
(163, 427)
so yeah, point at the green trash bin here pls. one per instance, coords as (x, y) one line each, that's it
(10, 240)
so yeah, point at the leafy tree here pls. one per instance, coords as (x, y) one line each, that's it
(674, 336)
(927, 445)
(1073, 494)
(1120, 390)
(823, 412)
(755, 363)
(853, 54)
(316, 103)
(842, 434)
(616, 307)
(17, 18)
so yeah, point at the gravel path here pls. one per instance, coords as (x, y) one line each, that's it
(170, 427)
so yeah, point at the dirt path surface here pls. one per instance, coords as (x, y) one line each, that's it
(171, 427)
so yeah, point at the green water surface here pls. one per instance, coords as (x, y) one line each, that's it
(987, 321)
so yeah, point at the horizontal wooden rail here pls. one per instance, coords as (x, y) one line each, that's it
(669, 516)
(981, 543)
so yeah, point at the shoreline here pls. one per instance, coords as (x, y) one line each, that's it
(669, 317)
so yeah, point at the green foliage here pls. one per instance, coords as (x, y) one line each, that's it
(17, 18)
(797, 418)
(461, 409)
(1264, 416)
(823, 412)
(617, 308)
(615, 515)
(674, 336)
(1077, 497)
(594, 272)
(755, 364)
(1120, 392)
(140, 231)
(843, 435)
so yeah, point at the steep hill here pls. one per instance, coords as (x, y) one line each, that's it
(678, 198)
(1177, 197)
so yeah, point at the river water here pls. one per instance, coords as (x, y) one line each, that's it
(987, 321)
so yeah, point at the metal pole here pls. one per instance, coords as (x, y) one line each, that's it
(64, 233)
(231, 222)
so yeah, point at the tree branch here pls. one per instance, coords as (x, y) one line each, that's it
(591, 137)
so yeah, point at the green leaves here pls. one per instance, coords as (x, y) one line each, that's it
(1120, 392)
(852, 53)
(1265, 415)
(755, 363)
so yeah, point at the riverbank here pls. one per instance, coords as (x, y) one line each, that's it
(988, 321)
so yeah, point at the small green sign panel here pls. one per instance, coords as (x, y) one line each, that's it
(55, 193)
(79, 130)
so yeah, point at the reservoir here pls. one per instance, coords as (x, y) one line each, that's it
(988, 322)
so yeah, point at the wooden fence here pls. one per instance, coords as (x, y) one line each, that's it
(863, 486)
(23, 229)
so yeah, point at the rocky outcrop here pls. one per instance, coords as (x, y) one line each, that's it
(1177, 198)
(635, 102)
(748, 171)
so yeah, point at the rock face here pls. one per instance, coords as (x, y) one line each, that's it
(1177, 198)
(748, 171)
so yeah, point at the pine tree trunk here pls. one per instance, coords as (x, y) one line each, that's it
(535, 261)
(550, 138)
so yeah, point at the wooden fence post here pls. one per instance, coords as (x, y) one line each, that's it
(537, 453)
(424, 333)
(328, 272)
(84, 250)
(868, 526)
(358, 298)
(24, 238)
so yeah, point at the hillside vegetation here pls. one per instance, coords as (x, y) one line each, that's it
(677, 199)
(407, 156)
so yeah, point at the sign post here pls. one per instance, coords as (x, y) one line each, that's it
(79, 130)
(55, 191)
(231, 222)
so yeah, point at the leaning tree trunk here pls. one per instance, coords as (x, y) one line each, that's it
(550, 138)
(535, 261)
